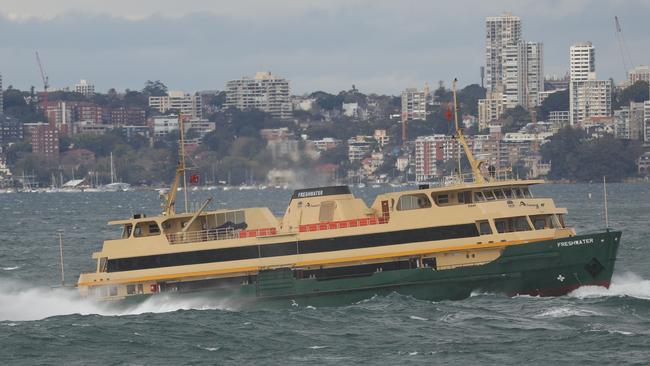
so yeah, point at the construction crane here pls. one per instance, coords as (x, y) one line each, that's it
(46, 81)
(622, 46)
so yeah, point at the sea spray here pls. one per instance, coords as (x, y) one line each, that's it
(20, 301)
(625, 284)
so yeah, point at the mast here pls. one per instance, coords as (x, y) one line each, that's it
(112, 170)
(182, 136)
(474, 164)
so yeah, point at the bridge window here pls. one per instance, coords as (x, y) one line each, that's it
(441, 199)
(512, 224)
(526, 192)
(499, 194)
(478, 197)
(147, 228)
(465, 197)
(126, 232)
(517, 193)
(508, 193)
(484, 227)
(541, 222)
(413, 202)
(489, 195)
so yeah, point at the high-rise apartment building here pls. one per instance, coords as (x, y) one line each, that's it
(523, 78)
(501, 32)
(588, 97)
(490, 109)
(265, 92)
(639, 73)
(84, 88)
(414, 104)
(646, 122)
(514, 67)
(582, 61)
(185, 104)
(1, 100)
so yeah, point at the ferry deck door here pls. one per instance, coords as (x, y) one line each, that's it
(384, 210)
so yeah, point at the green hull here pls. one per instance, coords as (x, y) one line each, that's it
(547, 268)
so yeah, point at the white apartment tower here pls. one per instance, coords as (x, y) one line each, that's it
(414, 104)
(639, 73)
(1, 100)
(514, 67)
(501, 31)
(266, 92)
(523, 74)
(185, 104)
(588, 97)
(84, 88)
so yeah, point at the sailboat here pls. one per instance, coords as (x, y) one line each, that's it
(114, 186)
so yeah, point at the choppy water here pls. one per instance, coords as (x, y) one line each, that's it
(40, 325)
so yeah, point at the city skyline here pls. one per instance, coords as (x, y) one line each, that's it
(382, 48)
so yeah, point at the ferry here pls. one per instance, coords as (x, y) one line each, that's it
(481, 231)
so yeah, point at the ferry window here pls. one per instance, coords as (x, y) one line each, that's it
(517, 193)
(478, 197)
(541, 222)
(484, 227)
(102, 264)
(148, 228)
(508, 193)
(526, 192)
(235, 217)
(326, 212)
(561, 219)
(512, 224)
(499, 194)
(154, 229)
(140, 288)
(489, 195)
(442, 199)
(138, 230)
(413, 201)
(521, 223)
(127, 231)
(465, 197)
(130, 289)
(112, 291)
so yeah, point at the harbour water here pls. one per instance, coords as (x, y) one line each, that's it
(40, 324)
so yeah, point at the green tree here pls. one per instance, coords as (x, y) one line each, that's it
(558, 101)
(637, 92)
(154, 88)
(514, 119)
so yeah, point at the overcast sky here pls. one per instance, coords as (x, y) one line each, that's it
(380, 46)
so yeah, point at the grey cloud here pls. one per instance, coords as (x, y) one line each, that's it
(379, 46)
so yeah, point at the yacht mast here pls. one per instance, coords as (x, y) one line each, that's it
(112, 170)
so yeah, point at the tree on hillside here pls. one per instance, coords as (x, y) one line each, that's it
(468, 98)
(514, 119)
(637, 92)
(558, 101)
(154, 88)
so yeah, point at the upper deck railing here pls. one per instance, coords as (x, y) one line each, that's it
(465, 178)
(218, 234)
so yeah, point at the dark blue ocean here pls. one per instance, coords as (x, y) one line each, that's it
(41, 325)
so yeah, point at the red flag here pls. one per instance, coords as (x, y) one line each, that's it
(194, 178)
(448, 113)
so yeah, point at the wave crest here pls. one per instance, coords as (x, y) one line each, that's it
(626, 284)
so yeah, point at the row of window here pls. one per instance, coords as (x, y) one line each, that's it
(521, 223)
(151, 228)
(420, 200)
